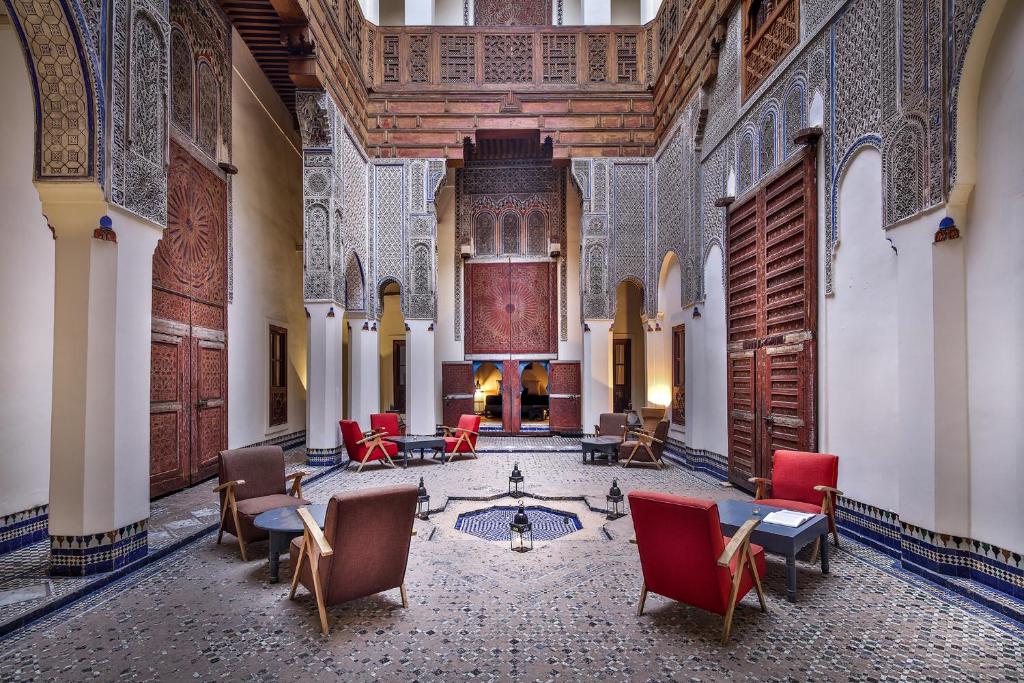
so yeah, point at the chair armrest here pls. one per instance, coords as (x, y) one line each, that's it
(296, 478)
(828, 489)
(467, 431)
(447, 430)
(372, 436)
(229, 485)
(762, 486)
(741, 536)
(315, 533)
(632, 539)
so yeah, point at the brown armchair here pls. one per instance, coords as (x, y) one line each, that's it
(649, 447)
(362, 550)
(611, 424)
(252, 480)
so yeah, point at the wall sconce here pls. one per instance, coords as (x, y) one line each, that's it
(407, 328)
(366, 326)
(373, 328)
(430, 328)
(696, 312)
(657, 327)
(330, 312)
(586, 327)
(947, 231)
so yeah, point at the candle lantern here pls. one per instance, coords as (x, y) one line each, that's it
(521, 531)
(514, 481)
(615, 498)
(422, 502)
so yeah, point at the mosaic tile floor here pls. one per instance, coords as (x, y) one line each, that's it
(480, 612)
(26, 587)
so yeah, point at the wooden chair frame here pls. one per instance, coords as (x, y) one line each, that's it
(314, 546)
(827, 507)
(230, 502)
(463, 437)
(376, 441)
(739, 544)
(644, 439)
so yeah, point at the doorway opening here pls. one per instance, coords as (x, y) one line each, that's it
(629, 377)
(487, 396)
(534, 397)
(393, 353)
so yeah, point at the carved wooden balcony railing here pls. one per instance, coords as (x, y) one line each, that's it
(419, 91)
(446, 58)
(767, 38)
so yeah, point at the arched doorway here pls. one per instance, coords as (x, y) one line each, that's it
(393, 354)
(534, 397)
(487, 396)
(629, 381)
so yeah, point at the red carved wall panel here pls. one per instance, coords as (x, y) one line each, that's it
(506, 13)
(457, 389)
(188, 409)
(511, 308)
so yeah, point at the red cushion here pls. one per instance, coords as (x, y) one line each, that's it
(385, 421)
(351, 434)
(794, 505)
(795, 474)
(679, 541)
(470, 423)
(451, 441)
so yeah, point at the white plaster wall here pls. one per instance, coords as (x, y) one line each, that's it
(572, 13)
(670, 307)
(391, 327)
(448, 12)
(446, 348)
(626, 12)
(267, 220)
(628, 325)
(706, 419)
(994, 250)
(26, 297)
(859, 379)
(572, 348)
(391, 12)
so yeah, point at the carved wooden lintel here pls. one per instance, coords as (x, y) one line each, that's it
(808, 136)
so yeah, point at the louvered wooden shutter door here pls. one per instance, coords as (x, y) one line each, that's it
(772, 319)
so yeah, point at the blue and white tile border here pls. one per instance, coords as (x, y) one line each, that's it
(98, 553)
(19, 529)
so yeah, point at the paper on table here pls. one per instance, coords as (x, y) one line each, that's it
(787, 518)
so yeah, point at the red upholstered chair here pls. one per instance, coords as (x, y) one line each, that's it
(805, 482)
(362, 550)
(251, 481)
(366, 448)
(385, 423)
(462, 439)
(685, 557)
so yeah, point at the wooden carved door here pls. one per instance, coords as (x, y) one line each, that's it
(511, 396)
(564, 380)
(457, 387)
(678, 414)
(771, 295)
(622, 384)
(188, 394)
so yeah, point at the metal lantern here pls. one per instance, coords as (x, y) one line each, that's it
(521, 531)
(422, 502)
(514, 480)
(614, 498)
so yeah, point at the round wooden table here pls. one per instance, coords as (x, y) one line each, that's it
(282, 525)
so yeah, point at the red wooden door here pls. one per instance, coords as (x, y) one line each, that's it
(188, 413)
(564, 380)
(457, 389)
(771, 296)
(511, 308)
(511, 396)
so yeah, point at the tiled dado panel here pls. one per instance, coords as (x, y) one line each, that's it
(19, 529)
(96, 553)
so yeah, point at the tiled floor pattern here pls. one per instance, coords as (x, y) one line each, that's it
(25, 585)
(480, 612)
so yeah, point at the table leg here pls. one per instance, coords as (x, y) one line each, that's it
(275, 556)
(405, 459)
(824, 553)
(791, 577)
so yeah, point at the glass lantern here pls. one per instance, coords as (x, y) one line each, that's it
(614, 499)
(422, 502)
(514, 481)
(521, 531)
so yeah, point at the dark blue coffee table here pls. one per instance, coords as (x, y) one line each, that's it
(782, 540)
(282, 525)
(417, 443)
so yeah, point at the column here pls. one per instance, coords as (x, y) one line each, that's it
(597, 12)
(934, 462)
(419, 12)
(99, 471)
(324, 384)
(420, 386)
(597, 371)
(364, 384)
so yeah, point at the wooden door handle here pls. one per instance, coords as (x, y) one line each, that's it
(202, 403)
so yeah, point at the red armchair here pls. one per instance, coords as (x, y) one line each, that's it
(385, 423)
(462, 439)
(804, 482)
(684, 556)
(366, 448)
